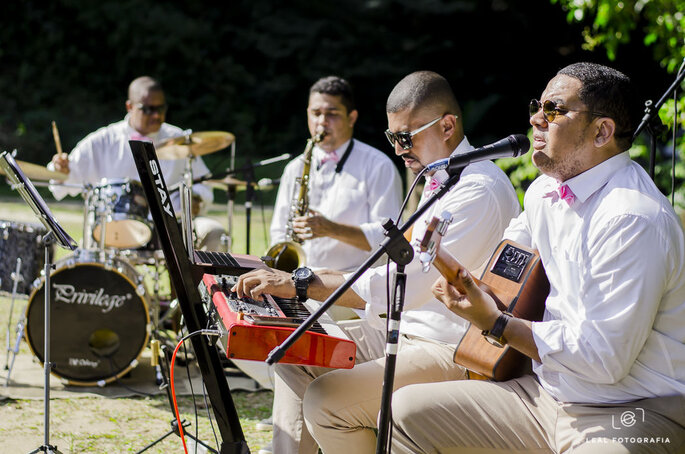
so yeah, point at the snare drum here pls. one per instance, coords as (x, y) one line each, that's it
(99, 318)
(23, 240)
(122, 203)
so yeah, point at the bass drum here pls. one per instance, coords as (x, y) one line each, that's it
(99, 319)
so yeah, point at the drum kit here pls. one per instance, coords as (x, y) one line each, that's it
(106, 296)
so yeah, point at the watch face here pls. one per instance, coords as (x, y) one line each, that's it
(303, 273)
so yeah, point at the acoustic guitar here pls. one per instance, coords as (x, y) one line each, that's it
(514, 277)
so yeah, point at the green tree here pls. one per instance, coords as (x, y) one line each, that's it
(610, 25)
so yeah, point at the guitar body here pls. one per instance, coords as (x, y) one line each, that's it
(516, 279)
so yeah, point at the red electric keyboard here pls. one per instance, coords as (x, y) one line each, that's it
(253, 328)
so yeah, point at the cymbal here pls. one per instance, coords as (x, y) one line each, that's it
(195, 144)
(37, 172)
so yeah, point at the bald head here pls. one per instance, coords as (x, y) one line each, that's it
(141, 86)
(423, 90)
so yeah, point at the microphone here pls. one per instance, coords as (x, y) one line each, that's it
(268, 182)
(509, 147)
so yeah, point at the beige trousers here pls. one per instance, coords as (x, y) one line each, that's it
(338, 409)
(520, 416)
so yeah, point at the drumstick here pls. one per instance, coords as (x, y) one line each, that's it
(55, 135)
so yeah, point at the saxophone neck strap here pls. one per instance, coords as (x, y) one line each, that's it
(343, 158)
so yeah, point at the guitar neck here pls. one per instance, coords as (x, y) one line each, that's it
(449, 267)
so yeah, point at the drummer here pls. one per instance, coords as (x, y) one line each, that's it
(106, 154)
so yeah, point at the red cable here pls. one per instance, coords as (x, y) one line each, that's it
(173, 397)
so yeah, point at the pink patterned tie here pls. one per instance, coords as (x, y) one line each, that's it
(330, 157)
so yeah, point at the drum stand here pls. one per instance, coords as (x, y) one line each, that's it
(46, 447)
(16, 277)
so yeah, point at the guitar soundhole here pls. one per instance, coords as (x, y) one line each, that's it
(511, 263)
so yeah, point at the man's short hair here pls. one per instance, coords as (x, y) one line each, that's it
(140, 86)
(423, 89)
(611, 93)
(336, 86)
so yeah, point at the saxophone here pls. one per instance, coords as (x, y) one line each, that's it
(289, 255)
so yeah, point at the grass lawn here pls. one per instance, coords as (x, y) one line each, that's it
(104, 425)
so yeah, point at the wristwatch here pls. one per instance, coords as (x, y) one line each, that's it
(302, 277)
(496, 335)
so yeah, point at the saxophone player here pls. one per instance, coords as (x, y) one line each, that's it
(352, 186)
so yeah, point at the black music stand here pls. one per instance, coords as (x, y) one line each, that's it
(56, 234)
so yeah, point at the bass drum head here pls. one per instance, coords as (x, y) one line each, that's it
(99, 319)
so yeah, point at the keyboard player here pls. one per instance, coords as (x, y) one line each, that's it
(424, 122)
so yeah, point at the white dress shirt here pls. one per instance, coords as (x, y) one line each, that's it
(482, 203)
(614, 325)
(366, 190)
(106, 153)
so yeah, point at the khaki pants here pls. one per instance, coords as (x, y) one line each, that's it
(520, 416)
(338, 409)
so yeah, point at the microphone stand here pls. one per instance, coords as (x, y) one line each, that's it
(401, 252)
(652, 121)
(249, 176)
(249, 193)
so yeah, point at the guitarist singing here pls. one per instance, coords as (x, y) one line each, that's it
(609, 354)
(424, 125)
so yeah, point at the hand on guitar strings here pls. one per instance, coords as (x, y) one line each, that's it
(467, 300)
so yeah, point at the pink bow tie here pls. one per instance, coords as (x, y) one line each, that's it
(564, 193)
(330, 157)
(431, 186)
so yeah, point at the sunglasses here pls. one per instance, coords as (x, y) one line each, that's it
(149, 110)
(404, 138)
(551, 109)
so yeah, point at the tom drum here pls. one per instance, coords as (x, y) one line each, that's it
(126, 210)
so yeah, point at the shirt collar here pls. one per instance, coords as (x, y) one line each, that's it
(319, 153)
(587, 183)
(132, 132)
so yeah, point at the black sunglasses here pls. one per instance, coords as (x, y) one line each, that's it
(149, 110)
(404, 138)
(551, 109)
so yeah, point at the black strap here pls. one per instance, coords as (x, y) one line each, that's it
(344, 157)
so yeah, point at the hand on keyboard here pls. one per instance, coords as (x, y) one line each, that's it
(259, 282)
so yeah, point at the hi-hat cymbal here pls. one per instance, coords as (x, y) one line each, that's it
(195, 144)
(37, 172)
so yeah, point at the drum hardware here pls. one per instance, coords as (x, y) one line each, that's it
(19, 329)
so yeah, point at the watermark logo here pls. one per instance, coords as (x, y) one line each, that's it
(628, 418)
